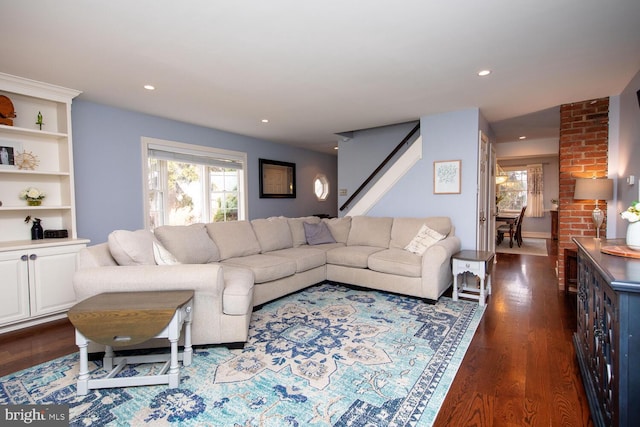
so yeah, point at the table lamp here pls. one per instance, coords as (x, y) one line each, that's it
(594, 189)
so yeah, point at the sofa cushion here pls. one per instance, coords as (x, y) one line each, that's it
(317, 234)
(190, 244)
(265, 268)
(305, 258)
(272, 233)
(324, 247)
(162, 256)
(234, 238)
(339, 228)
(396, 261)
(132, 247)
(370, 231)
(297, 229)
(425, 238)
(351, 256)
(405, 229)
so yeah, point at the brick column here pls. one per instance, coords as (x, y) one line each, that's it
(584, 144)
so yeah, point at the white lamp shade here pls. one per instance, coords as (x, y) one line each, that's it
(593, 189)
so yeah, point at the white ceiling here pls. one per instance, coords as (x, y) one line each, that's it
(315, 69)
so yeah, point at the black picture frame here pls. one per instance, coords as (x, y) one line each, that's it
(277, 179)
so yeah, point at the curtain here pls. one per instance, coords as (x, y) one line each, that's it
(534, 191)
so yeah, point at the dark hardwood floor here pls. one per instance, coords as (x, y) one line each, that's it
(520, 370)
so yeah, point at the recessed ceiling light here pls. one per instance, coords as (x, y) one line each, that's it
(149, 87)
(335, 148)
(265, 120)
(483, 73)
(522, 137)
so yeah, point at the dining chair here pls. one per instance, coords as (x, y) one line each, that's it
(516, 229)
(518, 233)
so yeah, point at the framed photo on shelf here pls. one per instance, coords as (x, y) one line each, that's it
(446, 177)
(8, 152)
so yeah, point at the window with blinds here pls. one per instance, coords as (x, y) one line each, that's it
(188, 184)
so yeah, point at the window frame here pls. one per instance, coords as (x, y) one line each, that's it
(514, 168)
(148, 143)
(324, 182)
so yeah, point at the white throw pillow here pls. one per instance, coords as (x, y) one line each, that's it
(426, 237)
(163, 256)
(132, 247)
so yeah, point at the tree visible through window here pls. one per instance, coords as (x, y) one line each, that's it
(191, 184)
(512, 194)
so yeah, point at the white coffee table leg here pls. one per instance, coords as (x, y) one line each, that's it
(174, 367)
(83, 374)
(188, 351)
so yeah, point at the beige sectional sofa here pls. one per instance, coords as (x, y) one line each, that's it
(234, 266)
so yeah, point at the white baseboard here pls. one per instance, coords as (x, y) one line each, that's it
(536, 234)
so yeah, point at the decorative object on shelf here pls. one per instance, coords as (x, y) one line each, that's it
(37, 232)
(39, 120)
(26, 160)
(7, 112)
(33, 196)
(632, 214)
(8, 152)
(554, 204)
(594, 189)
(56, 234)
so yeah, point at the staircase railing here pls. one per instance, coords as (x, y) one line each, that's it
(380, 167)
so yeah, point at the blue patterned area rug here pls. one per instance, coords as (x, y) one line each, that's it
(328, 355)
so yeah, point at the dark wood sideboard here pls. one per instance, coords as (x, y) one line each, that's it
(607, 340)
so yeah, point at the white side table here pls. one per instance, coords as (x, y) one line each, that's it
(127, 318)
(478, 263)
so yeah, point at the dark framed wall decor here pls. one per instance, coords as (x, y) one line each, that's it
(277, 179)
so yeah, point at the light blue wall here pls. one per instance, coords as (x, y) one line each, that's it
(108, 162)
(361, 154)
(628, 145)
(447, 136)
(454, 136)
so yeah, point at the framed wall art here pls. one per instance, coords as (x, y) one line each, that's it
(8, 152)
(446, 177)
(277, 179)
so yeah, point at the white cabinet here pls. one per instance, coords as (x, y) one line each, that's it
(37, 283)
(14, 304)
(36, 275)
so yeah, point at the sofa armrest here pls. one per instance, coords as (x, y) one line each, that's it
(202, 278)
(446, 248)
(436, 267)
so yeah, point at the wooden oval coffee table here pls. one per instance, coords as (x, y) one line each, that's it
(128, 318)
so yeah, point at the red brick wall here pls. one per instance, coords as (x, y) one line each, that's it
(584, 143)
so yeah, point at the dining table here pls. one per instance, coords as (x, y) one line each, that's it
(510, 219)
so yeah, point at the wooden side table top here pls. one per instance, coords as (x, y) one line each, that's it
(126, 318)
(469, 255)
